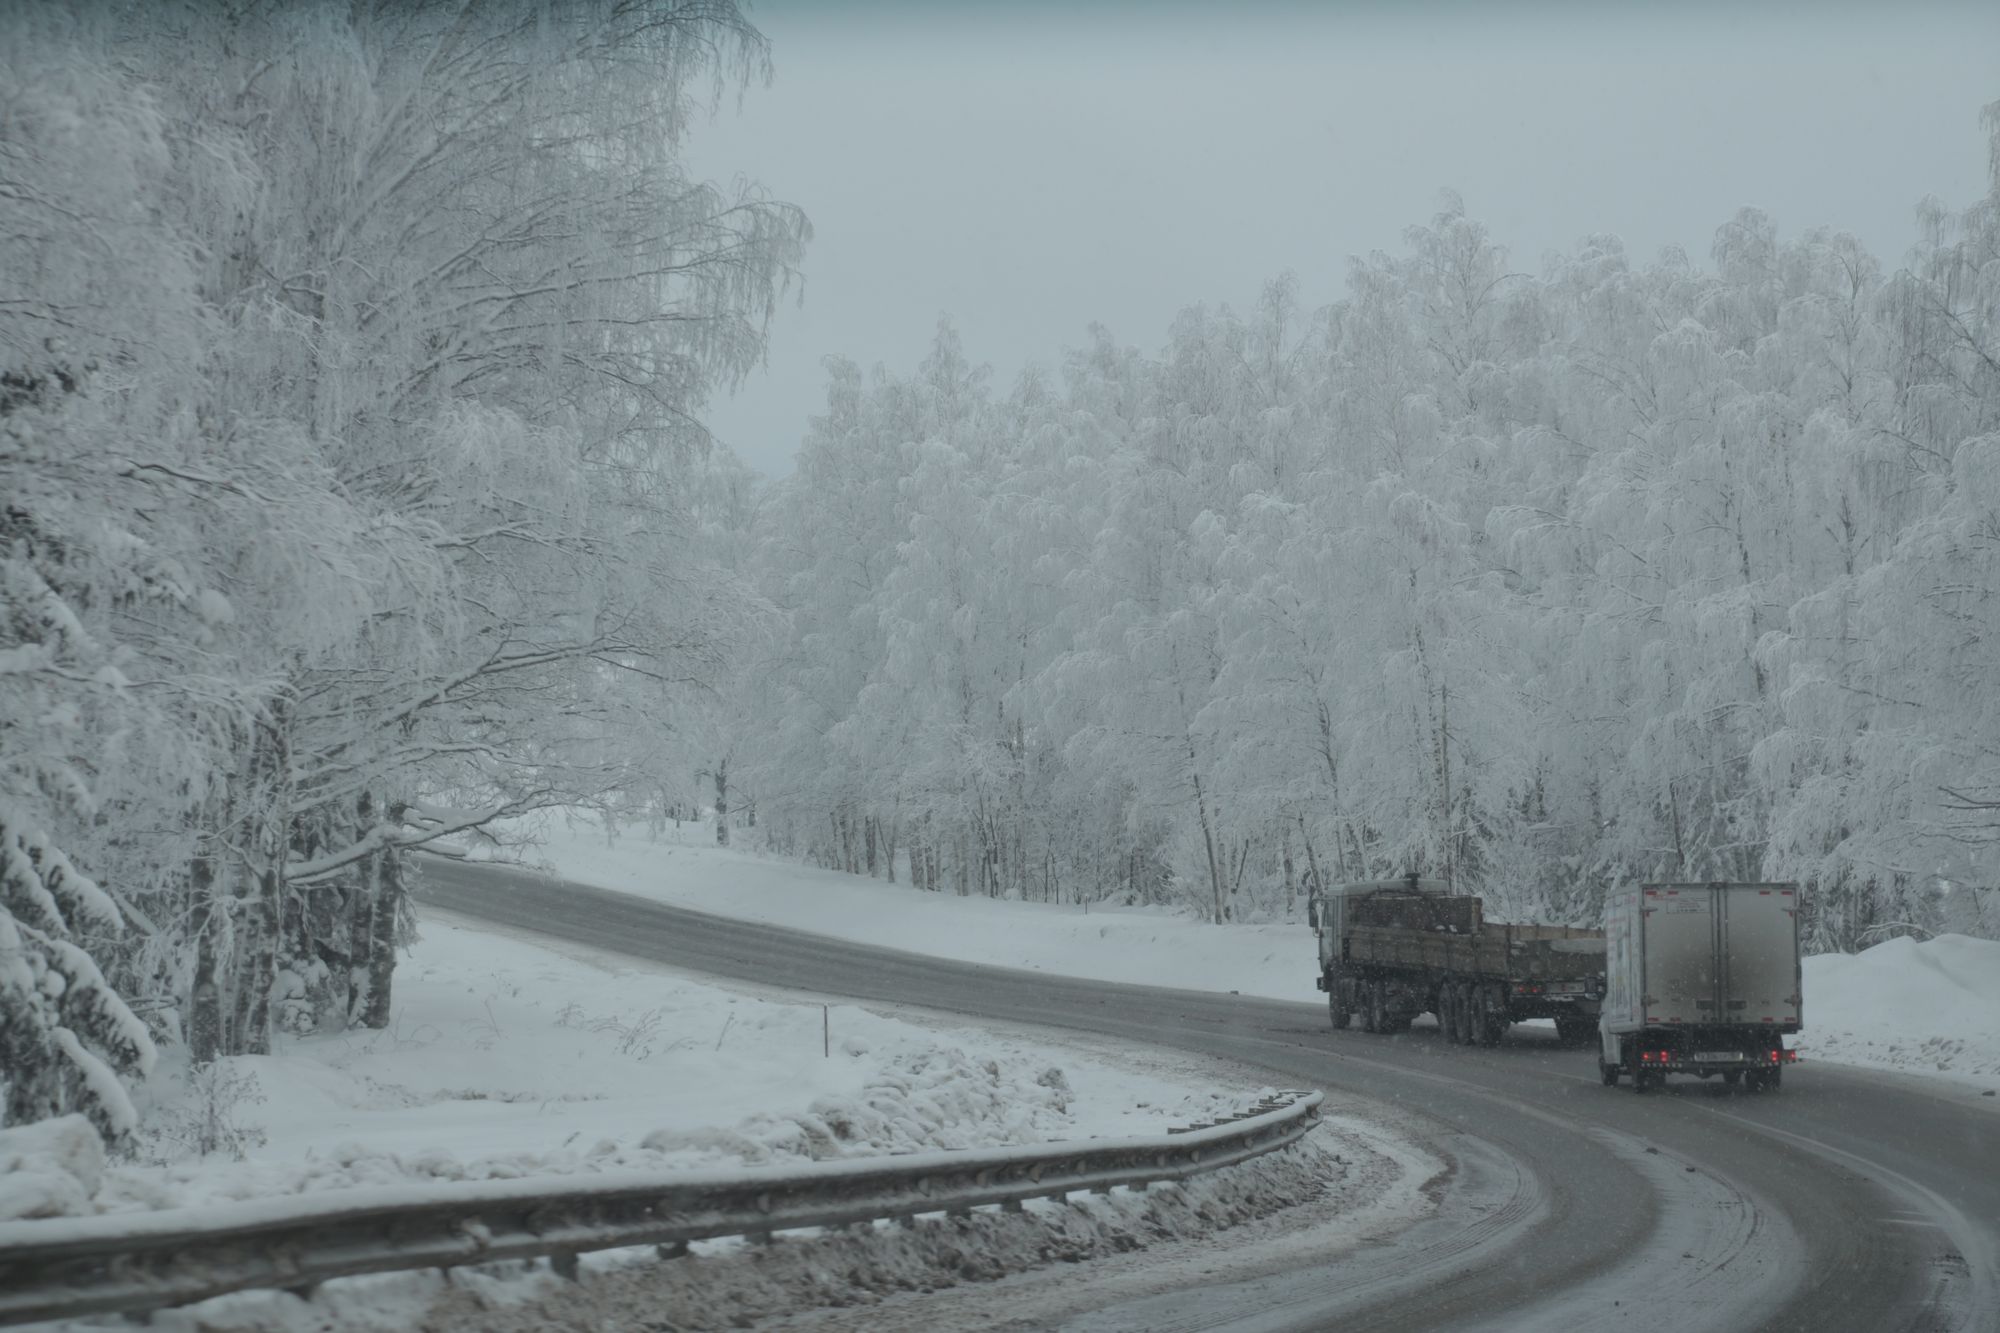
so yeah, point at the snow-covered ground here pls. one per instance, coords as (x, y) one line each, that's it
(510, 1058)
(1924, 1008)
(1930, 1007)
(1148, 945)
(513, 1056)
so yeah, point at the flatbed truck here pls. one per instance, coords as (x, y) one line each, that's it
(1390, 950)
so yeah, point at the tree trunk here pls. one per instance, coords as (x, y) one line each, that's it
(1312, 857)
(257, 950)
(382, 937)
(1291, 882)
(361, 920)
(204, 1026)
(268, 797)
(722, 803)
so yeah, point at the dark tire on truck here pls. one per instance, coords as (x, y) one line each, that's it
(1607, 1072)
(1495, 1010)
(1763, 1080)
(1468, 998)
(1336, 1004)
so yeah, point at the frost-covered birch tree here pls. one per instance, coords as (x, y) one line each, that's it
(352, 361)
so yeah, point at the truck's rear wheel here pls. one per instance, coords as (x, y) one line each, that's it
(1608, 1072)
(1496, 1014)
(1479, 1028)
(1378, 1009)
(1467, 998)
(1364, 1004)
(1336, 1004)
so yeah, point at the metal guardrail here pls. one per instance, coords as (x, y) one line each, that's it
(142, 1261)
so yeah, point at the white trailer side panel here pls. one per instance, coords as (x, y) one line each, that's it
(1760, 982)
(1681, 954)
(1623, 978)
(1686, 955)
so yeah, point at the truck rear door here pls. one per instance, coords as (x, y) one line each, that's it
(1682, 985)
(1760, 982)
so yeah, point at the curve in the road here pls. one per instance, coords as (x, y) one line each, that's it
(1849, 1201)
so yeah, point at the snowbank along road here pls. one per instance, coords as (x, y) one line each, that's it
(1850, 1200)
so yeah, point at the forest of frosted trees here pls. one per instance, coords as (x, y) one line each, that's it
(354, 495)
(350, 364)
(1539, 581)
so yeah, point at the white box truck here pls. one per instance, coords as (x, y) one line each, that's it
(1700, 979)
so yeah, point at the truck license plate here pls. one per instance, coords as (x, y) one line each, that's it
(1715, 1057)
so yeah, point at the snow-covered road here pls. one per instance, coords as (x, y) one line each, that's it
(1544, 1201)
(1930, 1008)
(561, 1031)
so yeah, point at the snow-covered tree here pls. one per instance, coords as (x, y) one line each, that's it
(1545, 581)
(349, 367)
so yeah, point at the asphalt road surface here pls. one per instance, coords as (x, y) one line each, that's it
(1849, 1200)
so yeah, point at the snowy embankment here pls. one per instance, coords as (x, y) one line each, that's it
(510, 1057)
(1928, 1008)
(1153, 946)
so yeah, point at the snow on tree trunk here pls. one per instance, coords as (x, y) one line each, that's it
(722, 803)
(205, 1027)
(381, 964)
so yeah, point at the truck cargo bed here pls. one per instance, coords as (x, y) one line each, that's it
(1496, 952)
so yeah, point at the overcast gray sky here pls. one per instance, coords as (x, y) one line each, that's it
(1030, 169)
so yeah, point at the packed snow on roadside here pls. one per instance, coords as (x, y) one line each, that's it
(507, 1059)
(512, 1058)
(1154, 946)
(1923, 1008)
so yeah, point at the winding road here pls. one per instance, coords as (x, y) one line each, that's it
(1851, 1200)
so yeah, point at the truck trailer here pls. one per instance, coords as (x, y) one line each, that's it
(1701, 979)
(1392, 949)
